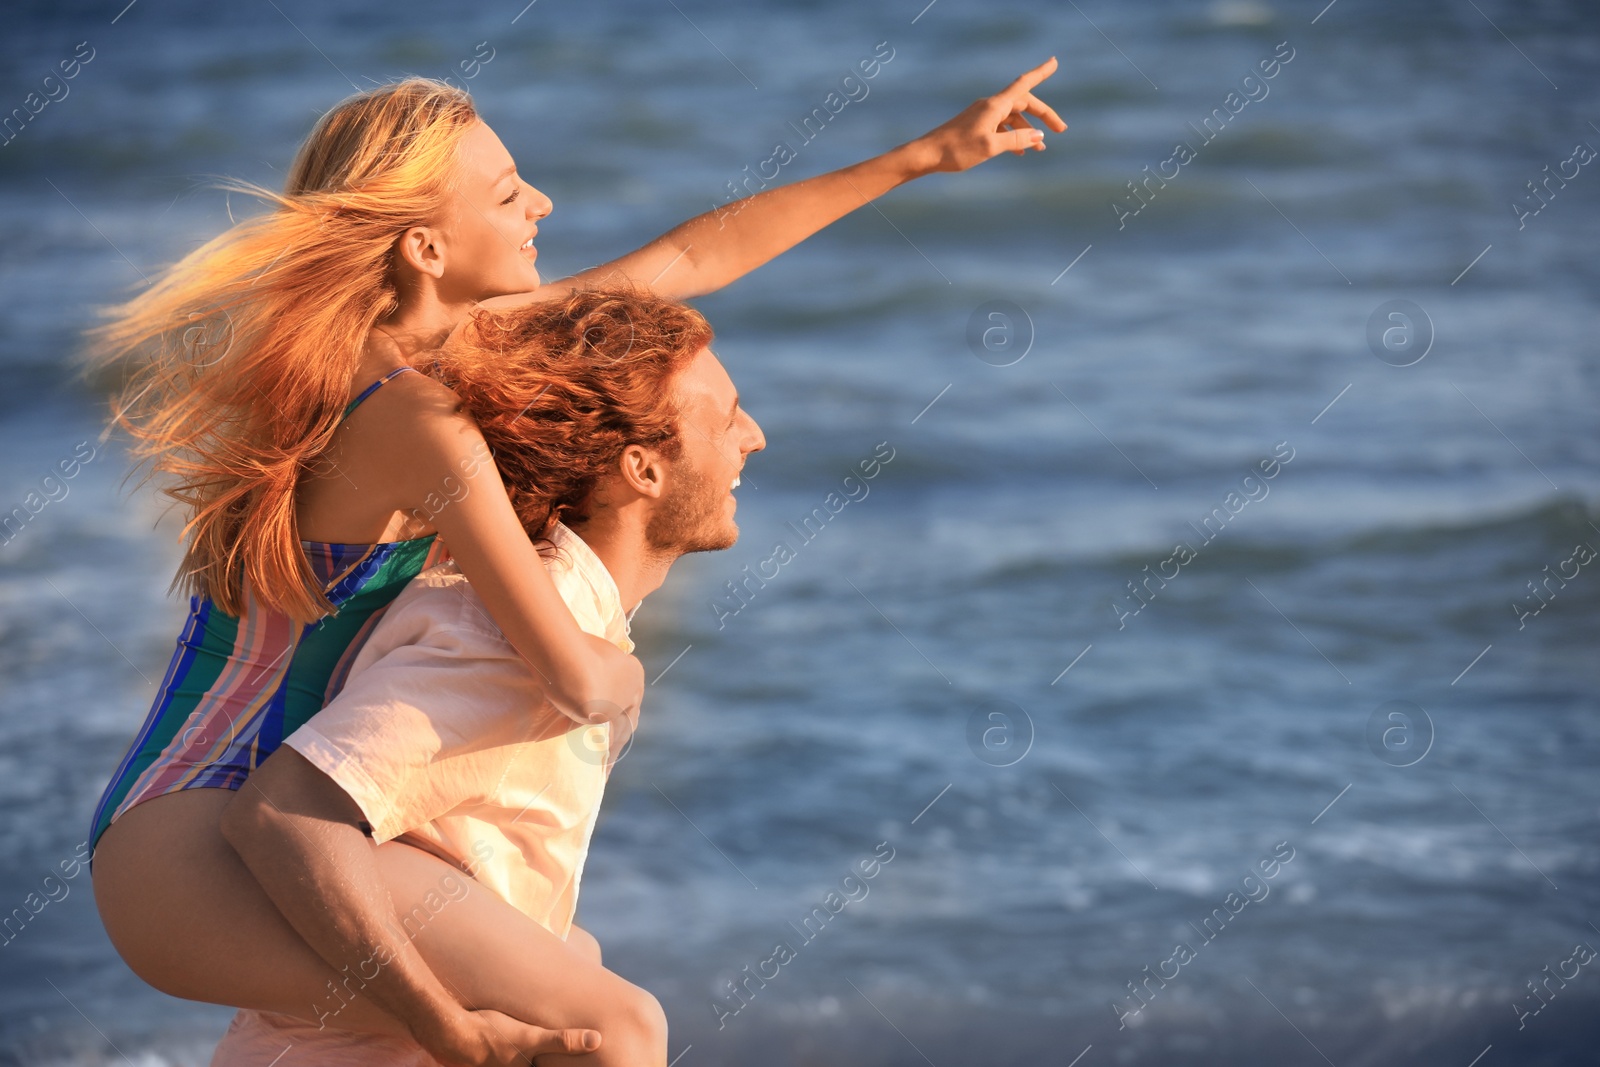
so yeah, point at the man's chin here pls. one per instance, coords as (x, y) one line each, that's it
(713, 541)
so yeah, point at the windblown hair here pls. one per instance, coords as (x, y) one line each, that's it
(560, 388)
(245, 349)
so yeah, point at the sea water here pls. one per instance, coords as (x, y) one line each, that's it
(1070, 657)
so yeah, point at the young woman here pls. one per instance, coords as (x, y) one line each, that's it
(318, 477)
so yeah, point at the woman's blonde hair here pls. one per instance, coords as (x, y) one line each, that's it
(247, 346)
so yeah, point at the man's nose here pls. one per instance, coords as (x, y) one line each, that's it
(755, 441)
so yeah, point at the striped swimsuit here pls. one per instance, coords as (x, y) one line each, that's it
(237, 686)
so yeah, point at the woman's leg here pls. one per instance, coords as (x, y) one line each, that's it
(493, 956)
(181, 908)
(584, 942)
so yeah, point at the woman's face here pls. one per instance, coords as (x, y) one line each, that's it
(487, 238)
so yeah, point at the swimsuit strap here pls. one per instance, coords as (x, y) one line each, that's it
(373, 388)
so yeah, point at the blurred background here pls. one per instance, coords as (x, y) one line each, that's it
(1379, 662)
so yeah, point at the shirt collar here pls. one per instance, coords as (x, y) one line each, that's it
(593, 570)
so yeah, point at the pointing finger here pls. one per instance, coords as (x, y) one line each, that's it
(1033, 77)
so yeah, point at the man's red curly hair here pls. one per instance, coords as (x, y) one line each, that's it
(559, 388)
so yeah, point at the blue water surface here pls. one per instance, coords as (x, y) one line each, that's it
(970, 668)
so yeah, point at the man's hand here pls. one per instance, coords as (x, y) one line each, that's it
(627, 684)
(494, 1039)
(299, 833)
(992, 125)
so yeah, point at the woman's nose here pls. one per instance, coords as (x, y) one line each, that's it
(539, 205)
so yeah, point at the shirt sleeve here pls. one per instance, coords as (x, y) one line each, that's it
(388, 739)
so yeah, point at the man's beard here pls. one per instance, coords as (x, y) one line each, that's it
(690, 518)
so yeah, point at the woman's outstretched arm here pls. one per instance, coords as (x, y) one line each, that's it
(724, 244)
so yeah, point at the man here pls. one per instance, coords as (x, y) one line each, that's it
(607, 412)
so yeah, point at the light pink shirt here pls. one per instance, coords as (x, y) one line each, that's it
(442, 736)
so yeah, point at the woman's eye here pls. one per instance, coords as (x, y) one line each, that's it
(513, 196)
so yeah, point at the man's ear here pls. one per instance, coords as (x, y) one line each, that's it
(421, 248)
(643, 471)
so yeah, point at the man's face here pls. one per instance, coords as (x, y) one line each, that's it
(695, 513)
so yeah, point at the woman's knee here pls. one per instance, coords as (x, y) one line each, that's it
(637, 1033)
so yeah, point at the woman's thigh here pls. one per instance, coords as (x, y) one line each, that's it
(182, 909)
(584, 942)
(493, 956)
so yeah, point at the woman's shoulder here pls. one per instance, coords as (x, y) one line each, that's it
(420, 391)
(397, 415)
